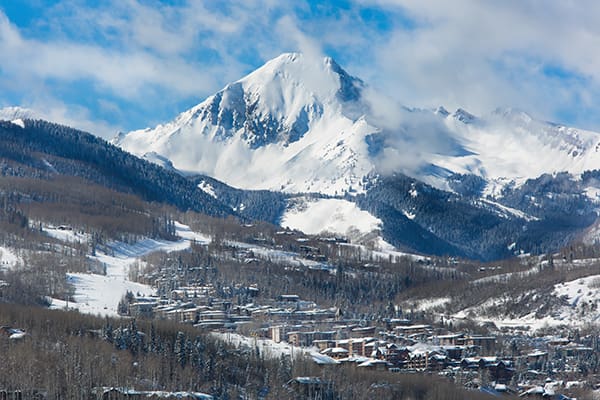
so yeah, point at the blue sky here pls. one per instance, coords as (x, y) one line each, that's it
(129, 64)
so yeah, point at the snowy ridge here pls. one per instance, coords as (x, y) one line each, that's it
(17, 115)
(511, 144)
(304, 125)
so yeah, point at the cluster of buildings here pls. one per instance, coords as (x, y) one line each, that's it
(395, 345)
(535, 367)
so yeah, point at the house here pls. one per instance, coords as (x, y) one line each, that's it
(277, 333)
(395, 355)
(212, 315)
(412, 329)
(456, 339)
(311, 387)
(486, 345)
(574, 350)
(323, 344)
(130, 394)
(300, 338)
(499, 370)
(375, 365)
(335, 352)
(537, 357)
(363, 331)
(436, 361)
(454, 352)
(356, 346)
(288, 298)
(417, 361)
(323, 360)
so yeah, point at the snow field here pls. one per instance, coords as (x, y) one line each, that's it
(329, 215)
(100, 294)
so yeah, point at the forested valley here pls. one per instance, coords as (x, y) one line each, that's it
(49, 180)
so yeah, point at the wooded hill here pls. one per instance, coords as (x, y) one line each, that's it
(44, 150)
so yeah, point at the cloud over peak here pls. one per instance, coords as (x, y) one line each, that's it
(129, 64)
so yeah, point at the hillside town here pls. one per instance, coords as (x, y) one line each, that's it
(502, 363)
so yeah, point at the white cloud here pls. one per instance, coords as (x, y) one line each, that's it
(464, 53)
(125, 73)
(287, 27)
(480, 55)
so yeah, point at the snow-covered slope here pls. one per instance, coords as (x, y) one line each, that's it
(329, 215)
(292, 125)
(100, 294)
(303, 125)
(511, 144)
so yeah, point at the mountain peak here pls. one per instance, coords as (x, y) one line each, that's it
(442, 111)
(264, 129)
(286, 59)
(319, 77)
(464, 116)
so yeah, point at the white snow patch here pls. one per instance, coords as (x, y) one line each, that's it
(507, 212)
(207, 188)
(100, 294)
(428, 304)
(65, 234)
(8, 258)
(184, 232)
(49, 165)
(329, 215)
(18, 122)
(583, 297)
(408, 214)
(267, 347)
(592, 193)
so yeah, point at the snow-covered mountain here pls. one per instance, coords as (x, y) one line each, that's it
(302, 125)
(433, 181)
(291, 125)
(510, 144)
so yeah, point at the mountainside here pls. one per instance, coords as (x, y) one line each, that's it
(303, 125)
(42, 151)
(490, 186)
(510, 144)
(539, 216)
(291, 125)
